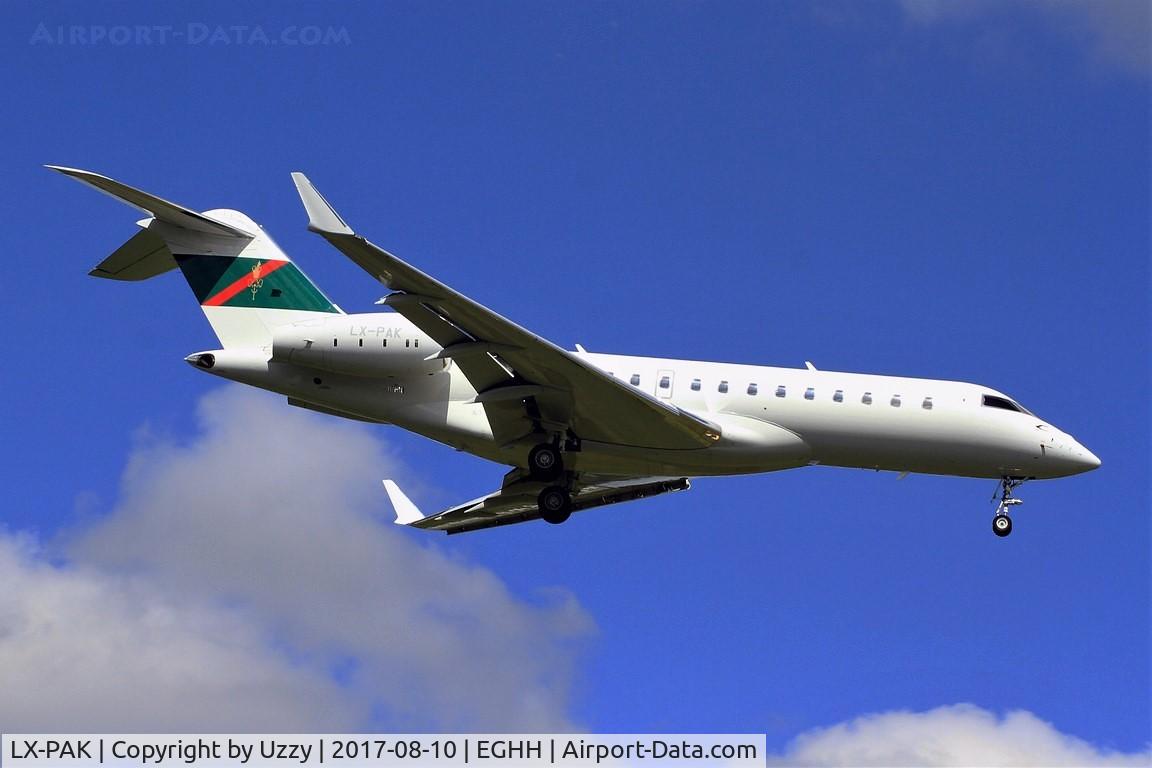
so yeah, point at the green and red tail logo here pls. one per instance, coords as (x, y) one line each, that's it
(239, 281)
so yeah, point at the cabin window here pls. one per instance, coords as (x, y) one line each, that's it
(895, 401)
(361, 342)
(416, 342)
(723, 388)
(407, 342)
(753, 389)
(838, 396)
(665, 382)
(867, 398)
(781, 391)
(635, 380)
(927, 404)
(385, 342)
(695, 385)
(810, 394)
(335, 342)
(993, 401)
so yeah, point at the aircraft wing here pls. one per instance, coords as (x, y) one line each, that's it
(516, 501)
(523, 380)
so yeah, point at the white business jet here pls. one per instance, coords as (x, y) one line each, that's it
(579, 429)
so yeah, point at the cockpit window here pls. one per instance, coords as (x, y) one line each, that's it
(995, 401)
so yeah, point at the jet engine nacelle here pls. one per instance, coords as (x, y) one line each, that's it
(342, 345)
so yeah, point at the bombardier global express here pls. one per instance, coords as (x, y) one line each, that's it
(579, 429)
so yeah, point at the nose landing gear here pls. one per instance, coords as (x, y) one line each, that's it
(1001, 522)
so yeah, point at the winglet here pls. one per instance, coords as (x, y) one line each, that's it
(322, 218)
(406, 512)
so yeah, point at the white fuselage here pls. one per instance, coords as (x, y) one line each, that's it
(376, 367)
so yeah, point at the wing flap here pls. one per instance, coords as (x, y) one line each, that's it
(482, 370)
(508, 421)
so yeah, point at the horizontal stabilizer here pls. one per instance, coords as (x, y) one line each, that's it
(162, 210)
(145, 255)
(244, 283)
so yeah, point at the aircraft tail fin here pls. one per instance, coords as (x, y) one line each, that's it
(244, 283)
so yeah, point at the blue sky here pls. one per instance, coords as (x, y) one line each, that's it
(949, 191)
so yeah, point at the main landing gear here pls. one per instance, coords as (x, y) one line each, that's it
(544, 462)
(555, 504)
(546, 465)
(1002, 523)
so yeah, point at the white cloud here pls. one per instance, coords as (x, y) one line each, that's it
(960, 735)
(262, 546)
(1118, 33)
(81, 650)
(1120, 29)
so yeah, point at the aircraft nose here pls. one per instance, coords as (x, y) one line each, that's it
(1064, 455)
(1085, 458)
(1076, 457)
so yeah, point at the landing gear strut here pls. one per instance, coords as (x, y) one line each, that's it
(1002, 523)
